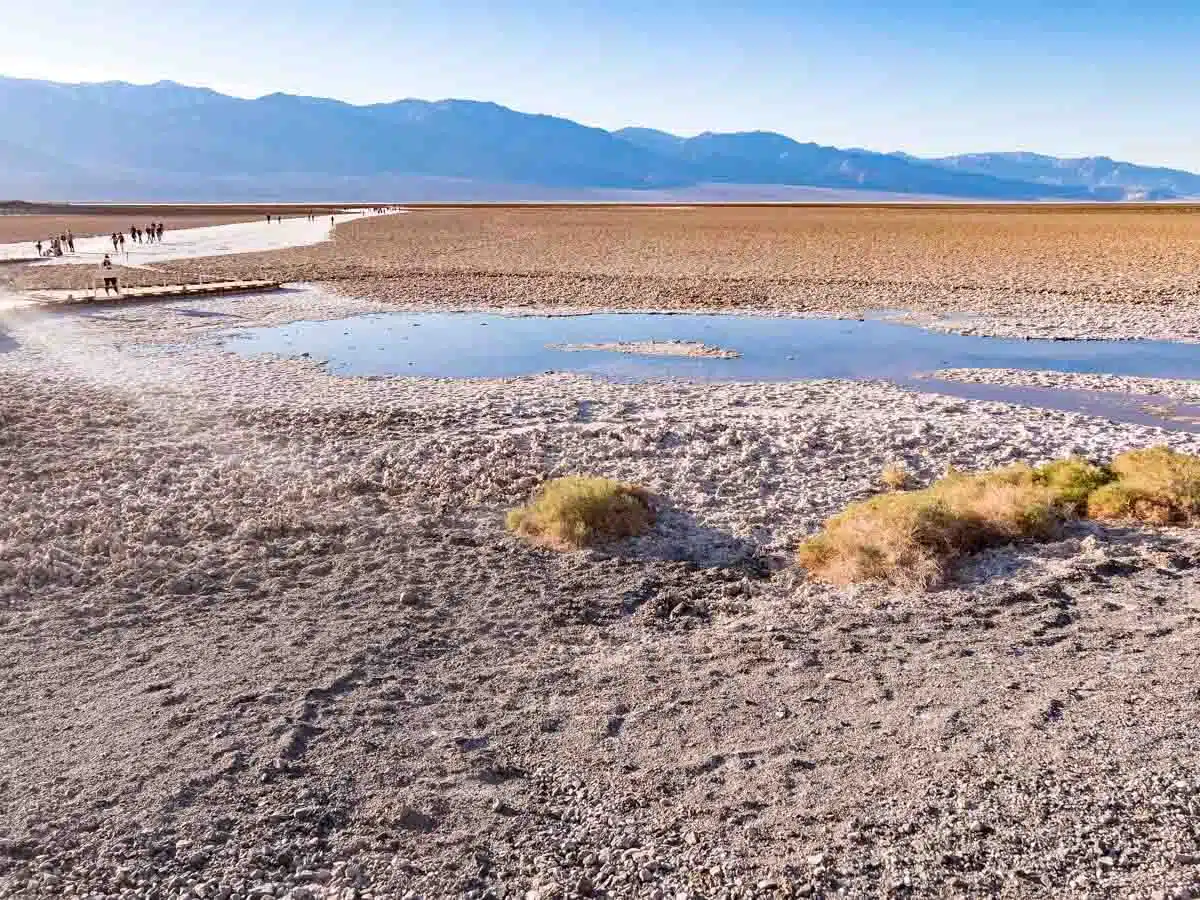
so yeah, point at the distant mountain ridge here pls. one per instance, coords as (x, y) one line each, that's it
(117, 141)
(1139, 182)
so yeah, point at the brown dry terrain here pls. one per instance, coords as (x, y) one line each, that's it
(1119, 271)
(264, 633)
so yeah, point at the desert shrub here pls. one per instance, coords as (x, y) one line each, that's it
(1073, 480)
(1158, 486)
(574, 512)
(910, 538)
(895, 477)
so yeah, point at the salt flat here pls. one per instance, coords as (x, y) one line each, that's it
(193, 243)
(266, 634)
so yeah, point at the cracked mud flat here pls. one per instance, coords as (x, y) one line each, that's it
(264, 635)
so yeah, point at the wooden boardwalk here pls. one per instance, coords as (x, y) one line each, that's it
(155, 292)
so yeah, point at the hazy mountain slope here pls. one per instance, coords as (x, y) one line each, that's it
(762, 157)
(1090, 171)
(167, 128)
(490, 142)
(165, 140)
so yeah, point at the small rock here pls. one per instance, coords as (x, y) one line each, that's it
(415, 820)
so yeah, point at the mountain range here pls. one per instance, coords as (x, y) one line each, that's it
(166, 141)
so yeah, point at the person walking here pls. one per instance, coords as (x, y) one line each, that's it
(160, 232)
(110, 279)
(39, 247)
(71, 242)
(121, 239)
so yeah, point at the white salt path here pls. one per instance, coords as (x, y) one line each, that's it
(190, 243)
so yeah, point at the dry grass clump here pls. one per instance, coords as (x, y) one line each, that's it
(910, 538)
(895, 477)
(1073, 480)
(576, 511)
(1158, 486)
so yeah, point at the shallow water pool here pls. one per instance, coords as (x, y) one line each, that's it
(480, 345)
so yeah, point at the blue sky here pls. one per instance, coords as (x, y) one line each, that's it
(925, 76)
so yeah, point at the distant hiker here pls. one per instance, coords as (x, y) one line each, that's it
(121, 239)
(133, 233)
(110, 280)
(70, 242)
(113, 237)
(39, 247)
(160, 231)
(268, 218)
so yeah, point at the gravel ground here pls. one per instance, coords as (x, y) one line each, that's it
(265, 635)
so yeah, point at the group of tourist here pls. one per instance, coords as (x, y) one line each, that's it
(148, 235)
(56, 246)
(64, 243)
(152, 232)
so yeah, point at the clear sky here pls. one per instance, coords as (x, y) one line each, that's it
(1066, 77)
